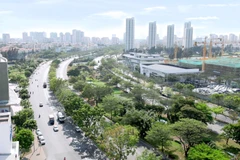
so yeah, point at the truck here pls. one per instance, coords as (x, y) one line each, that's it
(61, 117)
(44, 85)
(51, 119)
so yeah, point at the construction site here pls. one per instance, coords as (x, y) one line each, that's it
(224, 65)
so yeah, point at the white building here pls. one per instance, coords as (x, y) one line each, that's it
(77, 36)
(188, 35)
(8, 150)
(152, 34)
(25, 37)
(6, 38)
(130, 29)
(61, 36)
(135, 60)
(164, 71)
(170, 36)
(53, 36)
(68, 37)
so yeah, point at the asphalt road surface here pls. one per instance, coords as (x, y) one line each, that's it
(66, 142)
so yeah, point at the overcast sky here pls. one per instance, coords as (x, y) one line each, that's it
(106, 17)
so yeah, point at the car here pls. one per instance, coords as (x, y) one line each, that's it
(39, 133)
(55, 128)
(40, 105)
(41, 140)
(77, 129)
(38, 130)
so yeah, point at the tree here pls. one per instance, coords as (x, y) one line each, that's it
(205, 152)
(217, 98)
(142, 120)
(22, 116)
(73, 72)
(79, 85)
(100, 92)
(88, 92)
(71, 103)
(25, 138)
(119, 141)
(159, 135)
(189, 132)
(152, 95)
(137, 94)
(233, 115)
(218, 110)
(110, 104)
(30, 124)
(115, 80)
(25, 103)
(87, 116)
(179, 86)
(228, 131)
(147, 155)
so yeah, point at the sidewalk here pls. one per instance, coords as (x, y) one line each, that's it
(37, 152)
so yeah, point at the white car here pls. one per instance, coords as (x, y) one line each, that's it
(41, 140)
(55, 128)
(39, 133)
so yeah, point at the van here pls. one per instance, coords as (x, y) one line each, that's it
(61, 117)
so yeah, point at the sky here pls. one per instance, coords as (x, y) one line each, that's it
(102, 18)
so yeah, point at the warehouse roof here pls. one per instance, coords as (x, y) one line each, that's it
(170, 69)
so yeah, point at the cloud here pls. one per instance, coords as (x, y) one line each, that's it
(184, 8)
(150, 9)
(48, 1)
(113, 14)
(221, 5)
(5, 12)
(203, 18)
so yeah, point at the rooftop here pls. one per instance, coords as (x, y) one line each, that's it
(14, 153)
(170, 69)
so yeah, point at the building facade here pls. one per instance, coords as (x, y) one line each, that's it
(188, 35)
(6, 38)
(170, 36)
(152, 34)
(130, 29)
(4, 88)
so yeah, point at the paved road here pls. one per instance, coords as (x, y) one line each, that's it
(62, 69)
(65, 143)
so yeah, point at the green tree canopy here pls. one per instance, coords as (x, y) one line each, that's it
(142, 120)
(147, 155)
(189, 132)
(22, 116)
(205, 152)
(25, 138)
(119, 141)
(159, 135)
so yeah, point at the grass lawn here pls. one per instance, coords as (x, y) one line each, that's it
(117, 90)
(96, 82)
(232, 146)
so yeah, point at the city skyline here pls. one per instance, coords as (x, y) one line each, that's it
(92, 16)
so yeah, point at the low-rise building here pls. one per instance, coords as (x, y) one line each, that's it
(164, 71)
(134, 60)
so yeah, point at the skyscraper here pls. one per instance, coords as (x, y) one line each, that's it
(170, 36)
(53, 36)
(25, 37)
(6, 38)
(61, 35)
(152, 34)
(130, 27)
(188, 35)
(77, 36)
(68, 37)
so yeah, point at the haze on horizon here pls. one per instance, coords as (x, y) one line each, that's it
(103, 18)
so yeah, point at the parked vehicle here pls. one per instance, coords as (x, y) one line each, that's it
(40, 105)
(41, 140)
(44, 85)
(61, 117)
(51, 119)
